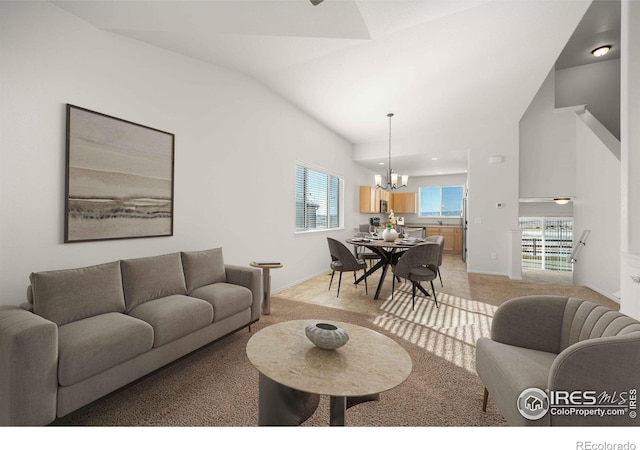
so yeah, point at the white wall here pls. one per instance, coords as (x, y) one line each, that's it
(561, 156)
(630, 159)
(547, 147)
(597, 208)
(236, 147)
(596, 85)
(490, 229)
(545, 209)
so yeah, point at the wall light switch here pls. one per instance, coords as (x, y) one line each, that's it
(478, 220)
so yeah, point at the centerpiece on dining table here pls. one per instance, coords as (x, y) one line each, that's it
(390, 234)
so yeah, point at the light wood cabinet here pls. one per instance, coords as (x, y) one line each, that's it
(403, 202)
(381, 194)
(452, 237)
(369, 199)
(457, 239)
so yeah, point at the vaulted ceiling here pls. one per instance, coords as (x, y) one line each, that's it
(347, 63)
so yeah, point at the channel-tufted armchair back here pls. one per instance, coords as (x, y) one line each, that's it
(586, 320)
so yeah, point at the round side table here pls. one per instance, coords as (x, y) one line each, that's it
(266, 283)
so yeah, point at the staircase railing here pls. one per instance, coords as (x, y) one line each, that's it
(573, 257)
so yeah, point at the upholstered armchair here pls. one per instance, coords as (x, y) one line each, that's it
(561, 344)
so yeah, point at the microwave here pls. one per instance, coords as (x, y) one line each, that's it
(384, 206)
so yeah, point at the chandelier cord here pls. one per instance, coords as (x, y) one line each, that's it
(390, 115)
(390, 184)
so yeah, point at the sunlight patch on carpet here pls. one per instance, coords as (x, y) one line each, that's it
(452, 311)
(449, 331)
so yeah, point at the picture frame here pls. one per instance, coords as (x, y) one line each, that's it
(119, 181)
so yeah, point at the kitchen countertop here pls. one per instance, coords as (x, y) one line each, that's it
(427, 225)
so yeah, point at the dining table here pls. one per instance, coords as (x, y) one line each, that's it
(389, 252)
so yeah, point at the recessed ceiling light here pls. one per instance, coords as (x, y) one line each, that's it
(434, 159)
(381, 164)
(601, 51)
(562, 200)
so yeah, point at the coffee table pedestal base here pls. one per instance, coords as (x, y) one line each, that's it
(284, 406)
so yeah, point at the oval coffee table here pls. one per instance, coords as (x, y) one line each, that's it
(293, 372)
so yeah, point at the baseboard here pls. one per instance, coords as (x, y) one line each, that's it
(606, 294)
(481, 272)
(294, 283)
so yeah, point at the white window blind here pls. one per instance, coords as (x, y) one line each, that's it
(318, 197)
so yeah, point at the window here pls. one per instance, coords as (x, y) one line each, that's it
(438, 201)
(318, 200)
(547, 242)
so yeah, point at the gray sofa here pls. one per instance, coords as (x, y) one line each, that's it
(86, 332)
(561, 346)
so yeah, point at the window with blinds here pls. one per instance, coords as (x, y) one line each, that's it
(318, 200)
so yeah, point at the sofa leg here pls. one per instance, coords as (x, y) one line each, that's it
(484, 400)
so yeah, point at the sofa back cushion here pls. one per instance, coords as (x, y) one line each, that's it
(203, 267)
(587, 320)
(153, 277)
(64, 296)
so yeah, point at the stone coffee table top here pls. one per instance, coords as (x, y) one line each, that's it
(369, 363)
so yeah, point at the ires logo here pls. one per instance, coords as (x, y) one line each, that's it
(589, 398)
(535, 403)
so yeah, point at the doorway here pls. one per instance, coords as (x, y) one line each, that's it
(547, 243)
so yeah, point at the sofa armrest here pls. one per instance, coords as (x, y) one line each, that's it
(533, 322)
(28, 368)
(607, 364)
(251, 278)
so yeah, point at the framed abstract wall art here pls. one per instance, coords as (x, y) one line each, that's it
(119, 178)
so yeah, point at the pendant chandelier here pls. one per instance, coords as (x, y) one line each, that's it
(392, 177)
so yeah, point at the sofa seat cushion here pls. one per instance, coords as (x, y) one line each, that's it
(227, 299)
(174, 316)
(507, 370)
(89, 346)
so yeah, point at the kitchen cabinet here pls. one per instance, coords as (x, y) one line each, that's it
(457, 239)
(403, 202)
(370, 198)
(452, 237)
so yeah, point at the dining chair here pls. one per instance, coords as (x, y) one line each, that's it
(342, 260)
(440, 241)
(418, 264)
(363, 252)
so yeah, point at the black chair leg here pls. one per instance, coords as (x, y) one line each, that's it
(435, 299)
(393, 287)
(366, 288)
(440, 276)
(339, 283)
(413, 295)
(331, 281)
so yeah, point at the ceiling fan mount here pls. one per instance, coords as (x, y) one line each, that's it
(315, 2)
